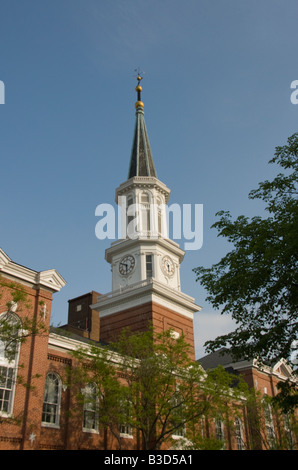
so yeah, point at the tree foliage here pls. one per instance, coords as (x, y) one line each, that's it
(257, 281)
(18, 322)
(147, 383)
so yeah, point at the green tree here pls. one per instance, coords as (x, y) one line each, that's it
(257, 281)
(96, 370)
(16, 324)
(270, 427)
(160, 391)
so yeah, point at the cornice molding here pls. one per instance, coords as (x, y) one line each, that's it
(49, 279)
(129, 244)
(143, 182)
(143, 292)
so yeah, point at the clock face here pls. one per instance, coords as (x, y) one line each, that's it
(168, 266)
(126, 265)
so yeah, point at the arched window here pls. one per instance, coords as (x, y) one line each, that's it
(51, 402)
(10, 325)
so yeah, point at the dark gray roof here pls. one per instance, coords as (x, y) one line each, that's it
(214, 359)
(141, 161)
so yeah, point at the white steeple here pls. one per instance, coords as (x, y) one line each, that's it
(144, 251)
(145, 263)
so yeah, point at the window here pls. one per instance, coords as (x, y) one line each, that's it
(219, 430)
(177, 419)
(290, 438)
(132, 222)
(129, 203)
(269, 423)
(159, 217)
(51, 403)
(149, 266)
(9, 349)
(125, 427)
(7, 383)
(239, 434)
(145, 211)
(90, 415)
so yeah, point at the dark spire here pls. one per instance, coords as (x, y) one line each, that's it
(141, 161)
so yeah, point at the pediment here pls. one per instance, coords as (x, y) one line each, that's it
(4, 259)
(283, 368)
(51, 278)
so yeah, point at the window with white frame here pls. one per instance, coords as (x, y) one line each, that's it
(125, 428)
(145, 213)
(290, 437)
(149, 266)
(130, 215)
(219, 430)
(51, 402)
(239, 434)
(159, 217)
(177, 415)
(269, 424)
(90, 411)
(9, 351)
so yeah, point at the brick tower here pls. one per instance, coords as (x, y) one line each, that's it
(145, 263)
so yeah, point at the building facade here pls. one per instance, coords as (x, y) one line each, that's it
(35, 400)
(271, 430)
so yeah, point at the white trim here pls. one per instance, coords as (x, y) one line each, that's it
(126, 245)
(143, 182)
(13, 364)
(55, 425)
(64, 344)
(144, 292)
(50, 279)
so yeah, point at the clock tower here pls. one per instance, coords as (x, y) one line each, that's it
(145, 263)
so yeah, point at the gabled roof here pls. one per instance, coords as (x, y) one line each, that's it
(223, 357)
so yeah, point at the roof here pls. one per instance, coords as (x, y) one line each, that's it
(223, 357)
(220, 357)
(141, 160)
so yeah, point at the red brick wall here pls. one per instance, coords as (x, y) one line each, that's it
(138, 318)
(32, 365)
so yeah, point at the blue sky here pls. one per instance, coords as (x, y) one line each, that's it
(217, 103)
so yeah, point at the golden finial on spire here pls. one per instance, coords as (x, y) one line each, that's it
(139, 103)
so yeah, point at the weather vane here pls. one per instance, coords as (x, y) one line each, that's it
(139, 75)
(139, 104)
